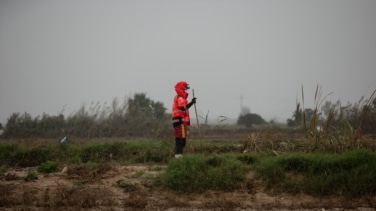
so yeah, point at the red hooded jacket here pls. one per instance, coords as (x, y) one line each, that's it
(180, 100)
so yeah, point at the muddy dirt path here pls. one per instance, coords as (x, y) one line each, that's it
(131, 188)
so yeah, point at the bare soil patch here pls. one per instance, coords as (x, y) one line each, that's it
(115, 187)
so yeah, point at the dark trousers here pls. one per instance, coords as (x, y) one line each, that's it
(179, 145)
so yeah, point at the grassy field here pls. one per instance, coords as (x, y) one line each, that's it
(284, 165)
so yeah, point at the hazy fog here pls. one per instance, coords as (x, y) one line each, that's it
(59, 55)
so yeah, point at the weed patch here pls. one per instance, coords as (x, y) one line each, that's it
(196, 173)
(48, 167)
(320, 174)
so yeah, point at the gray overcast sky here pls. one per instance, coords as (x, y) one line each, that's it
(57, 55)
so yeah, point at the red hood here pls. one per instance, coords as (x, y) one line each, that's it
(180, 89)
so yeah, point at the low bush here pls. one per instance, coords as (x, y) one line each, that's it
(48, 167)
(196, 173)
(351, 173)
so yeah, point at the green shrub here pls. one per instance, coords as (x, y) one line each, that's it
(7, 150)
(351, 173)
(247, 158)
(75, 159)
(2, 170)
(93, 152)
(102, 151)
(31, 176)
(27, 157)
(155, 151)
(197, 173)
(48, 167)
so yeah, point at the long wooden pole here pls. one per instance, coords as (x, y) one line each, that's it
(198, 124)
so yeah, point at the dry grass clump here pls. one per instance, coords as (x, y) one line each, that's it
(79, 196)
(127, 186)
(56, 197)
(223, 204)
(6, 196)
(87, 173)
(135, 202)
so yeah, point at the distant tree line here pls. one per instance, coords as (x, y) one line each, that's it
(138, 116)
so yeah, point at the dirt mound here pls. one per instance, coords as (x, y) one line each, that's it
(106, 187)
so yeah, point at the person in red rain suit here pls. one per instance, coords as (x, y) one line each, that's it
(180, 116)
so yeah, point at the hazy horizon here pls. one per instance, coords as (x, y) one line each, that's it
(59, 55)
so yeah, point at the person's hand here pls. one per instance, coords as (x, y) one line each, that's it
(194, 100)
